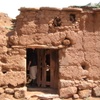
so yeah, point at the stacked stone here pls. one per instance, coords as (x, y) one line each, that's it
(81, 61)
(12, 60)
(79, 89)
(6, 92)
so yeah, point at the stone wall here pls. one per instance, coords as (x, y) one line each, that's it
(36, 26)
(12, 61)
(79, 57)
(74, 31)
(80, 63)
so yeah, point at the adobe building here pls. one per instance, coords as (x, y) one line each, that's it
(67, 40)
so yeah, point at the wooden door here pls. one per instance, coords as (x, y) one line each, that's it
(47, 75)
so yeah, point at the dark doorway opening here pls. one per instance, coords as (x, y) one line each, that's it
(31, 69)
(47, 67)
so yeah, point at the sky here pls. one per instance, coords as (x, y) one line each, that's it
(11, 7)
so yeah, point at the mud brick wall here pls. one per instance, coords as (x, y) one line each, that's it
(12, 61)
(74, 31)
(80, 63)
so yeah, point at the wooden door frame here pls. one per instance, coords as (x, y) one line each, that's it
(54, 68)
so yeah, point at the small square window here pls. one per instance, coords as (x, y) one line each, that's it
(57, 22)
(72, 18)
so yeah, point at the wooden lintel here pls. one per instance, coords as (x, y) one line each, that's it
(40, 46)
(45, 46)
(18, 46)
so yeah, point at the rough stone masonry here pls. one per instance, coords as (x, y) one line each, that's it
(74, 31)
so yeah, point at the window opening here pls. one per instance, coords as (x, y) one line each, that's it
(72, 18)
(31, 67)
(57, 22)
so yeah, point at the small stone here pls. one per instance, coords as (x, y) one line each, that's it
(77, 82)
(85, 93)
(66, 42)
(76, 96)
(9, 91)
(1, 90)
(85, 85)
(68, 92)
(21, 88)
(96, 91)
(19, 94)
